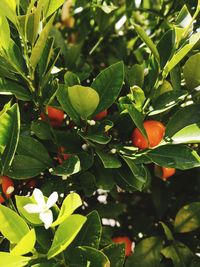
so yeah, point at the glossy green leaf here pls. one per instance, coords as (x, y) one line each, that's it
(9, 260)
(24, 167)
(191, 72)
(175, 156)
(51, 6)
(63, 98)
(167, 231)
(166, 47)
(108, 160)
(41, 130)
(65, 234)
(8, 8)
(147, 253)
(9, 135)
(181, 53)
(95, 257)
(135, 75)
(145, 38)
(68, 167)
(182, 118)
(189, 134)
(137, 118)
(30, 147)
(108, 85)
(115, 254)
(8, 87)
(83, 99)
(40, 44)
(188, 218)
(4, 32)
(69, 205)
(167, 100)
(25, 245)
(178, 253)
(12, 226)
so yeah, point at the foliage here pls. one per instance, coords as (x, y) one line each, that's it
(136, 60)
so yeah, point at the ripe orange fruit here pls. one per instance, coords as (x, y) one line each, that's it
(55, 115)
(126, 240)
(62, 156)
(163, 172)
(7, 187)
(101, 115)
(155, 131)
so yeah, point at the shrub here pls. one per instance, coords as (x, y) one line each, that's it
(100, 113)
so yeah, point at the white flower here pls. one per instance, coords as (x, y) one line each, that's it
(42, 207)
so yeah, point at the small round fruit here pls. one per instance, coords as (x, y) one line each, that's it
(126, 240)
(31, 183)
(163, 172)
(101, 115)
(155, 131)
(55, 115)
(7, 187)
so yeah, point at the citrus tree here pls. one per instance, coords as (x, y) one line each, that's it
(99, 133)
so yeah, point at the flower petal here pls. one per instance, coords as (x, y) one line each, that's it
(39, 198)
(32, 208)
(52, 199)
(47, 218)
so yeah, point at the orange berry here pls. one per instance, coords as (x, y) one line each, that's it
(55, 115)
(163, 172)
(155, 131)
(7, 187)
(126, 240)
(101, 115)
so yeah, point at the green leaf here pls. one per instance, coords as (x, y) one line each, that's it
(69, 205)
(175, 156)
(108, 160)
(63, 98)
(145, 38)
(9, 260)
(168, 100)
(83, 99)
(89, 235)
(108, 85)
(95, 257)
(24, 167)
(51, 6)
(178, 253)
(8, 87)
(189, 134)
(115, 254)
(26, 244)
(30, 147)
(65, 234)
(40, 44)
(191, 73)
(181, 54)
(8, 7)
(137, 118)
(135, 75)
(182, 118)
(68, 167)
(71, 78)
(147, 253)
(188, 218)
(166, 47)
(41, 130)
(167, 231)
(12, 226)
(9, 135)
(4, 32)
